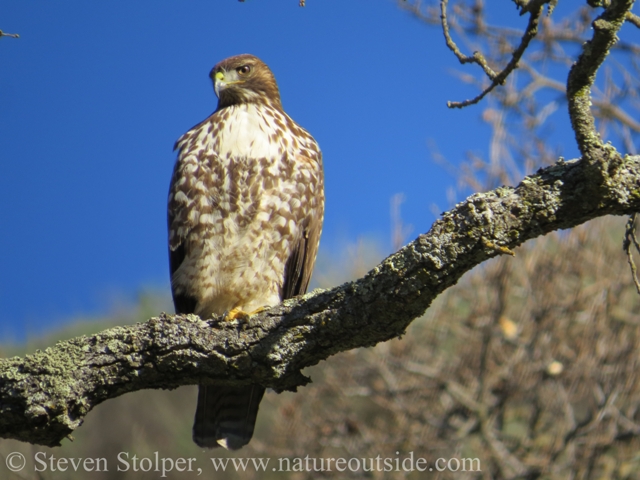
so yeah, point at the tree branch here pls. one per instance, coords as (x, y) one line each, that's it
(12, 35)
(45, 396)
(633, 19)
(582, 77)
(535, 11)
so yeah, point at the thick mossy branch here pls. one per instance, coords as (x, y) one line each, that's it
(45, 396)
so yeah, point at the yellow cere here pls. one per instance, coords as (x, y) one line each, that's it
(219, 76)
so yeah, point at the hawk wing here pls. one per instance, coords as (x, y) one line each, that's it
(180, 225)
(299, 266)
(183, 303)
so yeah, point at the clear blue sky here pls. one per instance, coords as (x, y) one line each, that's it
(94, 94)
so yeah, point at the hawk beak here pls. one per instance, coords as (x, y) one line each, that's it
(220, 83)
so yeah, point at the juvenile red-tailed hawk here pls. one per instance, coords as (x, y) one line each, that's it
(245, 212)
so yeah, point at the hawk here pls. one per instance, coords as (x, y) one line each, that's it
(245, 212)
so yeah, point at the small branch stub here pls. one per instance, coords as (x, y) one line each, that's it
(12, 35)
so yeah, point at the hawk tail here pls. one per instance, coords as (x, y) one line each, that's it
(226, 416)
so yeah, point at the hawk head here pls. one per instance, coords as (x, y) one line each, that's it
(244, 79)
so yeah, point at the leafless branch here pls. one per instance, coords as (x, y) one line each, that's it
(499, 78)
(633, 19)
(630, 238)
(582, 76)
(13, 35)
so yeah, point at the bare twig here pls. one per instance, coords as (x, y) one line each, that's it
(629, 239)
(477, 56)
(496, 79)
(13, 35)
(633, 19)
(399, 231)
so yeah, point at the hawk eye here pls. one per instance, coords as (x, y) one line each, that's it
(243, 70)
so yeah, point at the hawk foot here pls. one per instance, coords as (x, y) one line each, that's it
(239, 314)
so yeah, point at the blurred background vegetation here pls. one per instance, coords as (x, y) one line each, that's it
(528, 364)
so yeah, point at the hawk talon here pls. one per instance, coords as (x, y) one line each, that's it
(239, 314)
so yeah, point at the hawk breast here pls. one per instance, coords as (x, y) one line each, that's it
(246, 196)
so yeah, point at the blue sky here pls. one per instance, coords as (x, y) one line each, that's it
(94, 94)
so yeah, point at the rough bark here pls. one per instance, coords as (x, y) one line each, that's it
(45, 396)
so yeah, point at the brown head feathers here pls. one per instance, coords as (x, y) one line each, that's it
(244, 79)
